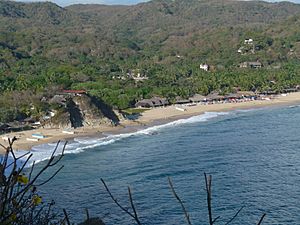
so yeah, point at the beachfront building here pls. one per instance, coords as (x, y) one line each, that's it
(3, 127)
(197, 98)
(289, 90)
(181, 101)
(248, 94)
(152, 102)
(241, 96)
(214, 97)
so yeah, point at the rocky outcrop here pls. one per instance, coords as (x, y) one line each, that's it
(60, 120)
(106, 110)
(91, 115)
(82, 111)
(76, 117)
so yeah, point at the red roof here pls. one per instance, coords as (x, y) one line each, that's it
(75, 91)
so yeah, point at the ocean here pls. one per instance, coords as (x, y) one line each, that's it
(252, 155)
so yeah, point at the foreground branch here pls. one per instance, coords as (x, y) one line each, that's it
(134, 216)
(186, 214)
(261, 219)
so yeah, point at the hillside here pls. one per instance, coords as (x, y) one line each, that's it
(98, 47)
(124, 31)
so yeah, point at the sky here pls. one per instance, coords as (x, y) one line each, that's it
(107, 2)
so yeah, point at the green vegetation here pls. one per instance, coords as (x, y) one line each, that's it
(134, 111)
(45, 48)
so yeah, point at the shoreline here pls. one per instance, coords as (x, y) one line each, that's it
(150, 117)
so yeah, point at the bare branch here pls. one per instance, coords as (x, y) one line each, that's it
(49, 164)
(15, 195)
(118, 204)
(4, 162)
(237, 213)
(50, 178)
(25, 163)
(18, 158)
(66, 217)
(208, 197)
(31, 170)
(215, 220)
(261, 219)
(87, 214)
(180, 202)
(133, 208)
(3, 146)
(61, 155)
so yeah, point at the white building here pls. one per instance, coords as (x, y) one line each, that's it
(204, 67)
(248, 41)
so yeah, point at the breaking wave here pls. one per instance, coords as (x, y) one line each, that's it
(77, 145)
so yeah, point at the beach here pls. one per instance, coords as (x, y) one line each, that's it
(161, 115)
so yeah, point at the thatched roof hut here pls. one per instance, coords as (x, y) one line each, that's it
(232, 96)
(153, 102)
(214, 97)
(246, 93)
(180, 100)
(3, 127)
(145, 103)
(289, 90)
(29, 120)
(197, 98)
(164, 101)
(156, 102)
(269, 92)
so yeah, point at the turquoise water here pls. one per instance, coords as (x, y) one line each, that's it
(253, 156)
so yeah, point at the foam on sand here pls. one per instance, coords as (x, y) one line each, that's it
(81, 144)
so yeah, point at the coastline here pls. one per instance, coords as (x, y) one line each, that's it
(156, 115)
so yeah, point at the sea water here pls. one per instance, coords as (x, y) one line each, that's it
(252, 155)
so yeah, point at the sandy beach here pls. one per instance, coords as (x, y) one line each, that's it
(156, 114)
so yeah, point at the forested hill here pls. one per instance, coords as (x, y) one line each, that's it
(159, 14)
(122, 31)
(45, 47)
(107, 31)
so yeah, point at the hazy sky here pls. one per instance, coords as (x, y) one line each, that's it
(108, 2)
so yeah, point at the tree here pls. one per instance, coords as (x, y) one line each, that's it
(20, 202)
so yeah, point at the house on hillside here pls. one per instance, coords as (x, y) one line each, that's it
(240, 50)
(204, 67)
(58, 99)
(137, 75)
(140, 78)
(253, 65)
(74, 92)
(248, 41)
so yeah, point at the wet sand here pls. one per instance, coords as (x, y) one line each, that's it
(156, 115)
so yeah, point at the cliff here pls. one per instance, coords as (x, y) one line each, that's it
(82, 111)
